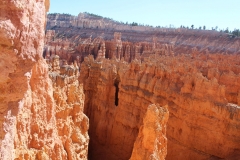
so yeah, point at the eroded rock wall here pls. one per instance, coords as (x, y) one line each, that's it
(195, 72)
(203, 121)
(115, 118)
(72, 124)
(76, 48)
(29, 126)
(22, 36)
(151, 142)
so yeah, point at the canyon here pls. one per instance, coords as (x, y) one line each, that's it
(43, 101)
(92, 88)
(195, 73)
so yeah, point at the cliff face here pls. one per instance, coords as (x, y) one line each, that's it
(73, 44)
(28, 108)
(194, 72)
(151, 141)
(21, 47)
(72, 125)
(203, 115)
(116, 114)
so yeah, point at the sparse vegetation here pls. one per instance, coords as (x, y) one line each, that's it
(65, 14)
(234, 33)
(134, 24)
(93, 15)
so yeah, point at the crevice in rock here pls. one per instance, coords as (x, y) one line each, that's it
(116, 83)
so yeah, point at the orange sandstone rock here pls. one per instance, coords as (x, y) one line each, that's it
(115, 116)
(151, 142)
(71, 123)
(118, 93)
(195, 72)
(30, 112)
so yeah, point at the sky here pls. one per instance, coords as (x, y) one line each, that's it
(211, 13)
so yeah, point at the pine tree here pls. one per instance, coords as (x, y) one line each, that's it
(226, 31)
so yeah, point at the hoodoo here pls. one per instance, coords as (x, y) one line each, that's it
(88, 87)
(194, 72)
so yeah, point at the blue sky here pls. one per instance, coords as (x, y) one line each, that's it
(211, 13)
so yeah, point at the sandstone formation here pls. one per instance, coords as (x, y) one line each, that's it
(189, 71)
(39, 120)
(76, 48)
(116, 109)
(72, 124)
(203, 116)
(151, 141)
(70, 43)
(124, 78)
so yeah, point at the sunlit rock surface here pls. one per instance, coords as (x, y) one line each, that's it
(29, 101)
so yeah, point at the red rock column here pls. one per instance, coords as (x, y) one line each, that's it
(151, 142)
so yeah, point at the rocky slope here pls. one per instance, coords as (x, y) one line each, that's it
(85, 20)
(196, 73)
(39, 120)
(115, 120)
(203, 122)
(42, 101)
(151, 141)
(125, 77)
(70, 43)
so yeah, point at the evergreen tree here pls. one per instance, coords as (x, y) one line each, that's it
(134, 24)
(226, 31)
(236, 32)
